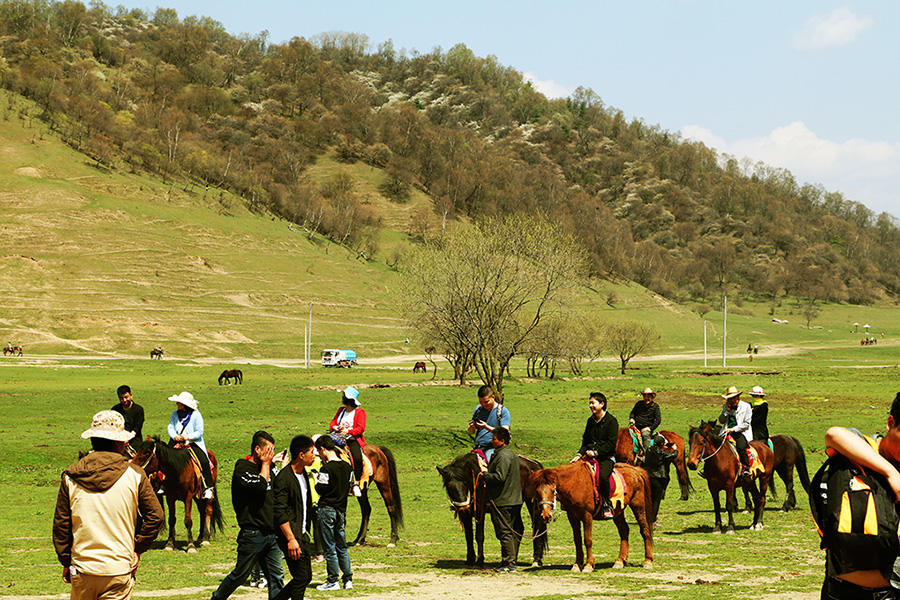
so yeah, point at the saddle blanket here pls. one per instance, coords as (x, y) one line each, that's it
(756, 465)
(617, 486)
(367, 469)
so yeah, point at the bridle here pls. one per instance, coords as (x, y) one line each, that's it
(703, 457)
(552, 504)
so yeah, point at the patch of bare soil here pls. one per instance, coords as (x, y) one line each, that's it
(29, 172)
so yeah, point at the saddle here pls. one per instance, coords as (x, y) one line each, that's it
(756, 465)
(367, 469)
(617, 486)
(482, 459)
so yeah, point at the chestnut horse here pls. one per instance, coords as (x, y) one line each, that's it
(572, 484)
(788, 454)
(15, 350)
(181, 482)
(625, 454)
(721, 468)
(465, 486)
(384, 475)
(420, 367)
(229, 374)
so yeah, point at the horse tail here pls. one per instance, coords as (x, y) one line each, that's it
(218, 522)
(801, 465)
(395, 486)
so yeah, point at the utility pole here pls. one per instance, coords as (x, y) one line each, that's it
(724, 328)
(309, 338)
(704, 343)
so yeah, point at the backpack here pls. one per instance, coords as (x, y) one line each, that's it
(854, 513)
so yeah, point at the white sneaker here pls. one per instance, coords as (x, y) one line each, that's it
(328, 586)
(262, 583)
(356, 491)
(348, 585)
(254, 583)
(208, 494)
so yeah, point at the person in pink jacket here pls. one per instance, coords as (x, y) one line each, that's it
(348, 426)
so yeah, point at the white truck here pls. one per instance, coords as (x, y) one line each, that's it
(338, 358)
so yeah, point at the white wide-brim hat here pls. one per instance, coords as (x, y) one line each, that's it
(351, 393)
(757, 391)
(185, 398)
(109, 425)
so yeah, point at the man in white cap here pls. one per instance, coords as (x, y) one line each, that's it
(735, 420)
(645, 417)
(100, 498)
(759, 419)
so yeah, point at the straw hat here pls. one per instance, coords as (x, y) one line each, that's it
(731, 393)
(109, 425)
(648, 391)
(757, 391)
(185, 398)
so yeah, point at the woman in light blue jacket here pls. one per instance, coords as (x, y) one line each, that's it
(186, 429)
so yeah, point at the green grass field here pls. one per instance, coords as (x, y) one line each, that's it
(49, 403)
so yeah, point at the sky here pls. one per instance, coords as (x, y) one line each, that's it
(811, 86)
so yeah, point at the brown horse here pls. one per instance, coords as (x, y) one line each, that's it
(384, 474)
(229, 374)
(420, 368)
(625, 454)
(788, 454)
(15, 350)
(156, 353)
(572, 484)
(181, 482)
(465, 486)
(721, 468)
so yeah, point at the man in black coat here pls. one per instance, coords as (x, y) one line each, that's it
(599, 442)
(293, 517)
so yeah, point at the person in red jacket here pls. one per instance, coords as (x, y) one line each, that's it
(349, 424)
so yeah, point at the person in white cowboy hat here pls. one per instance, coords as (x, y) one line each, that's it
(645, 417)
(186, 428)
(760, 416)
(735, 420)
(350, 423)
(100, 498)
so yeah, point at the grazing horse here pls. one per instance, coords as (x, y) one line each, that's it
(229, 374)
(722, 469)
(625, 454)
(420, 368)
(572, 484)
(156, 353)
(465, 486)
(384, 474)
(14, 350)
(788, 454)
(181, 482)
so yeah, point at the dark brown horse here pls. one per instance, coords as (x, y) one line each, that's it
(15, 350)
(625, 454)
(181, 482)
(788, 454)
(721, 468)
(384, 475)
(229, 374)
(420, 368)
(465, 486)
(156, 353)
(572, 484)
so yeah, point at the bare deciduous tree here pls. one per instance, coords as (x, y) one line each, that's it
(627, 339)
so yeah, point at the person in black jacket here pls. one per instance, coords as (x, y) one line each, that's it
(333, 484)
(254, 504)
(133, 413)
(293, 516)
(599, 442)
(759, 417)
(504, 492)
(646, 417)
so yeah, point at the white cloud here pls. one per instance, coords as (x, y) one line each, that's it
(865, 171)
(840, 27)
(549, 88)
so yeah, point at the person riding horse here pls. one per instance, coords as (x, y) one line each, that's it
(348, 425)
(599, 443)
(735, 420)
(759, 415)
(186, 429)
(645, 417)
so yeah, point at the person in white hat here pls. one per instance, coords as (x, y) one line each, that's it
(186, 429)
(349, 424)
(760, 416)
(100, 498)
(735, 420)
(645, 417)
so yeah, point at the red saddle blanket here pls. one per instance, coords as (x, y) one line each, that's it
(617, 486)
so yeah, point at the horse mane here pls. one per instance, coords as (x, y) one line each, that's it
(461, 467)
(177, 458)
(544, 477)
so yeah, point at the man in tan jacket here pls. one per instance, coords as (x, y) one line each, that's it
(100, 499)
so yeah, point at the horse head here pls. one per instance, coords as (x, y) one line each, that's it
(542, 486)
(461, 478)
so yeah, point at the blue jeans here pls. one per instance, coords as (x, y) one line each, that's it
(254, 546)
(331, 523)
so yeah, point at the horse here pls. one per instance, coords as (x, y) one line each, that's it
(420, 368)
(229, 374)
(721, 471)
(384, 474)
(156, 353)
(465, 486)
(788, 454)
(625, 454)
(572, 484)
(181, 482)
(14, 350)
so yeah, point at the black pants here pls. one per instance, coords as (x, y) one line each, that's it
(356, 453)
(509, 529)
(605, 468)
(740, 443)
(301, 574)
(838, 589)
